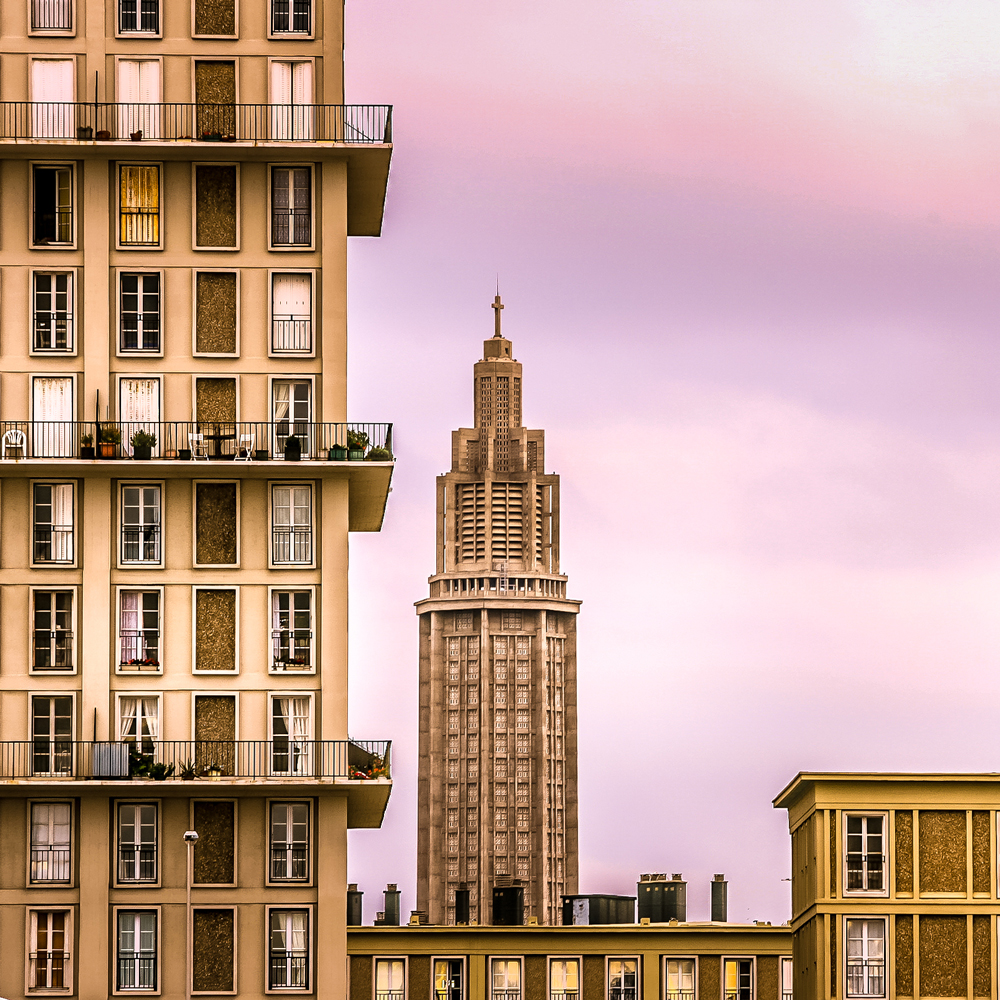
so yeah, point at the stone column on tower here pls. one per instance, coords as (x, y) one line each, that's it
(497, 781)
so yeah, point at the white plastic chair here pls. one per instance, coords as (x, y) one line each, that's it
(199, 449)
(14, 439)
(246, 447)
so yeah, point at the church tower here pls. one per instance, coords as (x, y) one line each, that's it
(497, 793)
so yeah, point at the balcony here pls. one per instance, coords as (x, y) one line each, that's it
(347, 124)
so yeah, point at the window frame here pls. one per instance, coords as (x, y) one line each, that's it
(142, 564)
(53, 563)
(291, 35)
(490, 959)
(782, 992)
(236, 948)
(69, 883)
(752, 959)
(863, 893)
(663, 975)
(291, 772)
(406, 974)
(156, 696)
(194, 328)
(69, 165)
(69, 956)
(48, 671)
(32, 695)
(883, 918)
(139, 34)
(565, 994)
(236, 22)
(160, 214)
(54, 352)
(121, 589)
(236, 818)
(194, 638)
(272, 563)
(291, 247)
(195, 245)
(273, 272)
(310, 669)
(608, 959)
(132, 991)
(310, 843)
(120, 350)
(58, 32)
(137, 883)
(464, 995)
(309, 910)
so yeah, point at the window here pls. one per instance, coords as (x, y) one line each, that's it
(50, 843)
(139, 410)
(622, 973)
(288, 950)
(139, 98)
(291, 525)
(390, 979)
(505, 978)
(136, 948)
(138, 721)
(53, 91)
(52, 218)
(140, 524)
(139, 630)
(137, 842)
(738, 980)
(52, 734)
(52, 630)
(564, 979)
(52, 513)
(291, 407)
(866, 957)
(865, 853)
(289, 841)
(51, 15)
(291, 630)
(138, 17)
(448, 979)
(52, 312)
(53, 432)
(139, 206)
(291, 17)
(291, 314)
(139, 313)
(787, 978)
(292, 114)
(49, 963)
(679, 982)
(291, 206)
(290, 740)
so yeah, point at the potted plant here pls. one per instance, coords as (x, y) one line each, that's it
(140, 764)
(103, 135)
(188, 771)
(109, 438)
(87, 446)
(261, 455)
(85, 132)
(293, 449)
(214, 772)
(379, 455)
(184, 454)
(143, 444)
(337, 453)
(160, 771)
(357, 442)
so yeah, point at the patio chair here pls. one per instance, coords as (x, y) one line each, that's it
(198, 446)
(14, 438)
(246, 446)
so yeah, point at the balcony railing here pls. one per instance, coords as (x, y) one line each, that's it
(278, 758)
(51, 15)
(50, 863)
(45, 969)
(291, 544)
(137, 863)
(197, 440)
(141, 543)
(352, 124)
(140, 649)
(291, 648)
(289, 862)
(53, 543)
(291, 333)
(53, 649)
(288, 970)
(137, 972)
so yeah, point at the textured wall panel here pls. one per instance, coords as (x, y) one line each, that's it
(535, 975)
(593, 977)
(710, 976)
(361, 977)
(904, 955)
(768, 985)
(214, 949)
(982, 962)
(215, 17)
(942, 851)
(215, 629)
(215, 851)
(215, 398)
(981, 851)
(904, 851)
(215, 524)
(943, 965)
(215, 332)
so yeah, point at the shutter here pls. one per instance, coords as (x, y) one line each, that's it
(53, 86)
(52, 411)
(281, 83)
(128, 81)
(302, 82)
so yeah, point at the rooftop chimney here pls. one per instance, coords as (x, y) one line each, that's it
(391, 918)
(354, 900)
(720, 901)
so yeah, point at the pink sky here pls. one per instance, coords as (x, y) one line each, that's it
(748, 256)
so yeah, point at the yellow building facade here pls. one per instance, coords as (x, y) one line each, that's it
(177, 483)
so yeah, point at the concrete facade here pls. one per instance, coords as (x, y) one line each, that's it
(177, 186)
(497, 795)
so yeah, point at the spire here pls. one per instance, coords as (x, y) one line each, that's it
(497, 306)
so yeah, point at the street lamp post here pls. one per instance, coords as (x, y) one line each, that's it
(190, 839)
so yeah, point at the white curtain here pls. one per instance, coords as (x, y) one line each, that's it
(291, 100)
(139, 97)
(150, 718)
(139, 408)
(52, 412)
(291, 312)
(53, 91)
(126, 718)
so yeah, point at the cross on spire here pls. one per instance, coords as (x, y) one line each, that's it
(496, 307)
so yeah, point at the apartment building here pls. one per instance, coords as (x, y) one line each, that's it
(894, 884)
(497, 781)
(177, 484)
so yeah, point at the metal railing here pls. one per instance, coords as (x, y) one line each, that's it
(137, 972)
(278, 758)
(53, 331)
(866, 977)
(141, 16)
(291, 17)
(51, 15)
(140, 649)
(290, 545)
(289, 861)
(137, 863)
(213, 440)
(679, 995)
(53, 649)
(53, 543)
(45, 969)
(49, 863)
(141, 543)
(288, 970)
(291, 648)
(352, 124)
(291, 333)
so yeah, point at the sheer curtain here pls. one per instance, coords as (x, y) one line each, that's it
(126, 718)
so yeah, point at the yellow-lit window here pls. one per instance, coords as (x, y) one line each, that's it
(139, 205)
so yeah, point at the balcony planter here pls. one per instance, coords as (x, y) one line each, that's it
(108, 440)
(357, 442)
(211, 137)
(379, 455)
(85, 132)
(103, 135)
(87, 451)
(188, 771)
(338, 453)
(136, 136)
(261, 455)
(143, 444)
(293, 449)
(355, 454)
(184, 454)
(214, 772)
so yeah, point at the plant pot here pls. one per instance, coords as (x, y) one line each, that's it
(85, 132)
(184, 454)
(355, 454)
(136, 136)
(261, 455)
(107, 449)
(142, 452)
(87, 451)
(293, 450)
(103, 135)
(338, 453)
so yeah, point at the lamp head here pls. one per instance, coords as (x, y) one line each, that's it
(191, 837)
